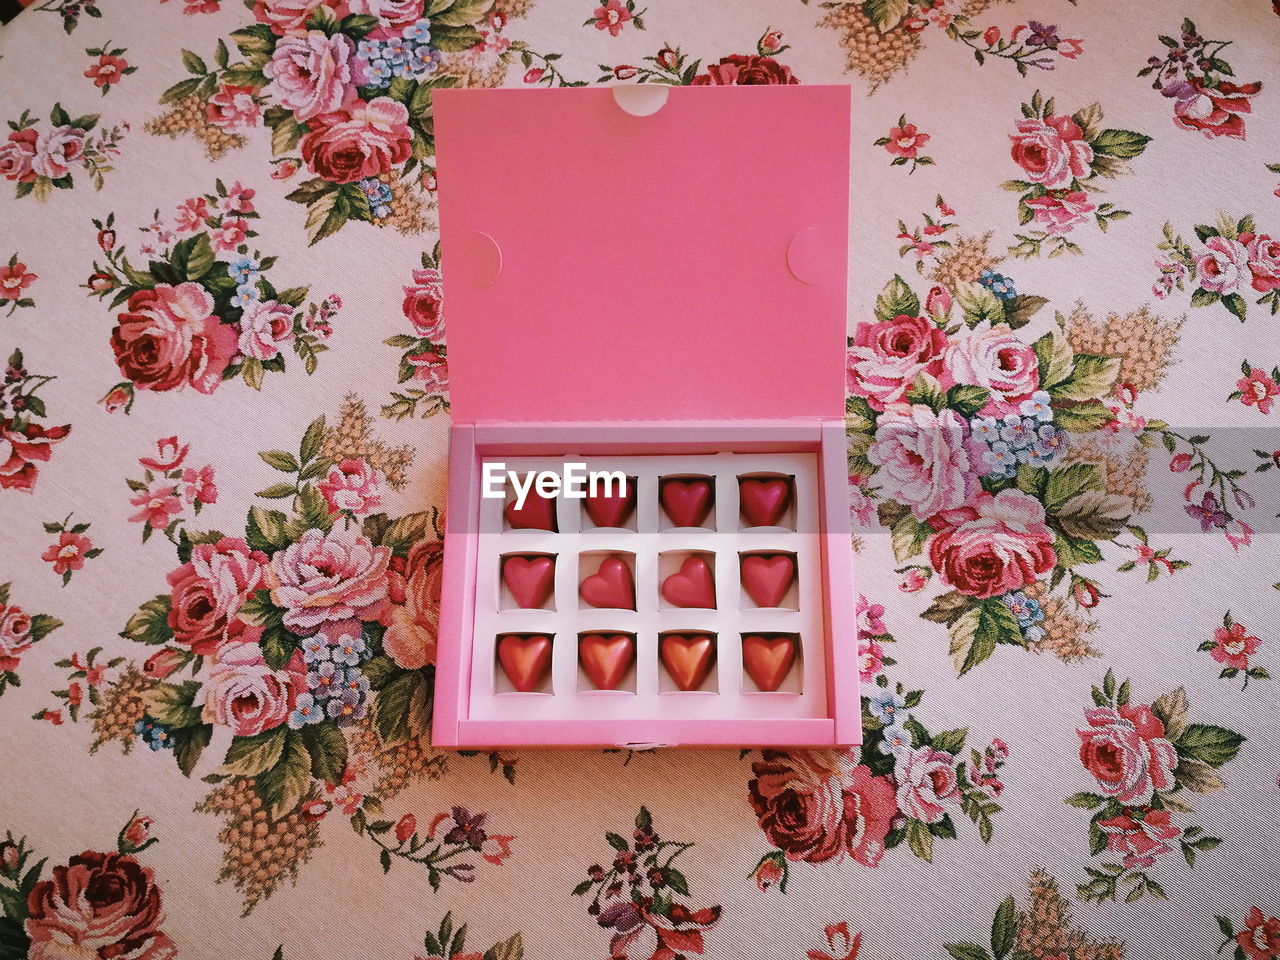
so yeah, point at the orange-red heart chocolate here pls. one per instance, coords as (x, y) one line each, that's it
(767, 578)
(538, 513)
(613, 510)
(530, 579)
(525, 659)
(687, 502)
(691, 586)
(768, 659)
(606, 658)
(764, 501)
(688, 658)
(612, 586)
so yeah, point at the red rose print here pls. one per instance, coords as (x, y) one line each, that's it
(169, 338)
(886, 357)
(1260, 940)
(99, 904)
(997, 544)
(1214, 111)
(742, 69)
(816, 807)
(21, 448)
(1126, 751)
(360, 141)
(209, 589)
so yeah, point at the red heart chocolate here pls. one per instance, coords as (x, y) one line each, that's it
(613, 510)
(767, 578)
(688, 658)
(525, 659)
(612, 586)
(606, 658)
(768, 659)
(691, 586)
(687, 502)
(538, 513)
(764, 501)
(531, 580)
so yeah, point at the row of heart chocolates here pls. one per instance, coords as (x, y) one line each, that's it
(687, 657)
(768, 580)
(686, 501)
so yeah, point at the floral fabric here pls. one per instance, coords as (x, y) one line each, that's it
(223, 434)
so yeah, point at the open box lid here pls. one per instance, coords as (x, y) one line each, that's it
(689, 264)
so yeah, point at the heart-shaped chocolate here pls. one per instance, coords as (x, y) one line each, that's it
(768, 659)
(688, 658)
(525, 659)
(613, 510)
(764, 501)
(538, 513)
(606, 658)
(767, 578)
(691, 586)
(687, 502)
(612, 586)
(531, 580)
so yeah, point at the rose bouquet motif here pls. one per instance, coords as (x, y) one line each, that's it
(960, 428)
(203, 310)
(41, 159)
(348, 84)
(1062, 157)
(1145, 758)
(310, 639)
(290, 629)
(1232, 262)
(900, 787)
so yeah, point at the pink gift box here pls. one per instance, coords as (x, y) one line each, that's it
(653, 277)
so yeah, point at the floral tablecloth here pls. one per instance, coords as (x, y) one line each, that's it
(222, 463)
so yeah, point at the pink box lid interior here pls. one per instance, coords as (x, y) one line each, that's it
(686, 265)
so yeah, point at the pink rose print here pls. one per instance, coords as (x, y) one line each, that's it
(885, 357)
(994, 358)
(1127, 753)
(927, 782)
(1140, 838)
(14, 279)
(311, 74)
(422, 304)
(243, 693)
(1233, 646)
(1223, 266)
(109, 68)
(326, 577)
(353, 487)
(927, 460)
(233, 108)
(209, 589)
(992, 546)
(1060, 212)
(19, 631)
(819, 807)
(1051, 150)
(359, 141)
(1061, 159)
(613, 15)
(904, 143)
(169, 338)
(1257, 388)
